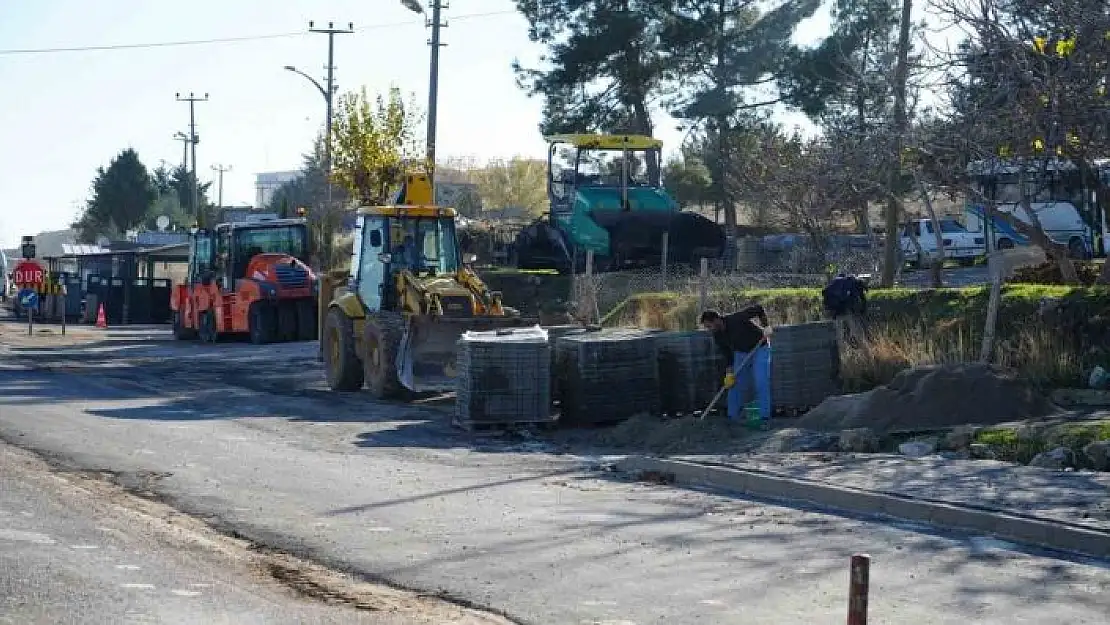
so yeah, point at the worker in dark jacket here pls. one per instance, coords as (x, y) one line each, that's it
(845, 302)
(738, 335)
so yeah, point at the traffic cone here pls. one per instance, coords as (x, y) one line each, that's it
(101, 320)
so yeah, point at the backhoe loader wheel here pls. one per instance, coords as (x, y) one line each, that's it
(261, 323)
(306, 321)
(381, 361)
(286, 322)
(208, 332)
(341, 364)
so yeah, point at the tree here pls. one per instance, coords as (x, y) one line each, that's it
(688, 180)
(516, 183)
(1028, 84)
(602, 69)
(718, 52)
(375, 144)
(801, 182)
(122, 196)
(844, 84)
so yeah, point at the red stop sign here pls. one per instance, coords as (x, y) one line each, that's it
(28, 273)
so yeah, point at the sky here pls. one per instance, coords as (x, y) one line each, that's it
(64, 114)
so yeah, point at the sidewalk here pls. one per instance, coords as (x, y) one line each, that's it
(1077, 497)
(1062, 510)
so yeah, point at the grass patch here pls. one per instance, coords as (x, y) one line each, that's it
(1022, 443)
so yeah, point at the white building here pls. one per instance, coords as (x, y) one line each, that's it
(266, 183)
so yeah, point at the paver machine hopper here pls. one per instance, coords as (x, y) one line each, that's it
(606, 197)
(248, 278)
(394, 324)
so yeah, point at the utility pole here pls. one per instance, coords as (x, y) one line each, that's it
(435, 22)
(220, 170)
(194, 139)
(331, 31)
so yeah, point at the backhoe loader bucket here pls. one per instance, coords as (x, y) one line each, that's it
(427, 356)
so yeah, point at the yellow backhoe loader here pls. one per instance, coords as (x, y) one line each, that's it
(394, 321)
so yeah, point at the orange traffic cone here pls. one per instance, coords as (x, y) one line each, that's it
(101, 320)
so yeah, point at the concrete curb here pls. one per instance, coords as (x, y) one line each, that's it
(1015, 528)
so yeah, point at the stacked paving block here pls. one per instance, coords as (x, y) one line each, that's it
(607, 376)
(690, 368)
(554, 333)
(504, 378)
(805, 362)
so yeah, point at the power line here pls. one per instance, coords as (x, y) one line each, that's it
(221, 40)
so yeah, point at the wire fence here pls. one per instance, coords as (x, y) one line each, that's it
(760, 263)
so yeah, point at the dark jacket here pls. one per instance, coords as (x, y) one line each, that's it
(844, 295)
(739, 334)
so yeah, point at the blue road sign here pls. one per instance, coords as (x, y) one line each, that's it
(28, 299)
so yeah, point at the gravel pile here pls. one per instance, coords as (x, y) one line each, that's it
(933, 397)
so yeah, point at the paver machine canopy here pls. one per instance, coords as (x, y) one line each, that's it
(606, 197)
(409, 296)
(248, 278)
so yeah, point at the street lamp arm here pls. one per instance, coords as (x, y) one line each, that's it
(315, 83)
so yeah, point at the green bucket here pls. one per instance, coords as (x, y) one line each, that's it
(752, 418)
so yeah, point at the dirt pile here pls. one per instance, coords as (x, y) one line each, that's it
(653, 434)
(933, 397)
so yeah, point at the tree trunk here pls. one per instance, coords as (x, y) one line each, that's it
(937, 269)
(901, 77)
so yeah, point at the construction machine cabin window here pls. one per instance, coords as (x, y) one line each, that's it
(425, 245)
(249, 242)
(610, 168)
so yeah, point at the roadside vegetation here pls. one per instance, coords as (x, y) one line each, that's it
(1050, 334)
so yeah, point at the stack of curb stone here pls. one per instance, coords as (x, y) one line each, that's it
(689, 371)
(606, 376)
(504, 378)
(805, 359)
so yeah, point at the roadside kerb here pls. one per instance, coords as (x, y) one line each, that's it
(1020, 529)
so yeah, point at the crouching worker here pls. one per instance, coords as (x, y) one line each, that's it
(845, 302)
(737, 336)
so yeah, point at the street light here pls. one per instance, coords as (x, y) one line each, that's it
(413, 6)
(315, 83)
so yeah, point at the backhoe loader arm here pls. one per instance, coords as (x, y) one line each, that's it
(488, 301)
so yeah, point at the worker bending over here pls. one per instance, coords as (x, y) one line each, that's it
(845, 302)
(737, 336)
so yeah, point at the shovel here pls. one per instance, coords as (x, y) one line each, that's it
(743, 364)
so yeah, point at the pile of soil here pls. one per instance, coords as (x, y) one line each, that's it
(714, 434)
(933, 397)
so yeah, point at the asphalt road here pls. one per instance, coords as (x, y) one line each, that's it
(391, 492)
(75, 549)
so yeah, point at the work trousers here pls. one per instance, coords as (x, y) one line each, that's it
(756, 375)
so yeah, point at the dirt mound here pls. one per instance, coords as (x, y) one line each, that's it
(931, 397)
(670, 436)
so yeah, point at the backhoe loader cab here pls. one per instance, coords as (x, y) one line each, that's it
(248, 278)
(408, 298)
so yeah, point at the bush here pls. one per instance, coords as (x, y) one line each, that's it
(1050, 334)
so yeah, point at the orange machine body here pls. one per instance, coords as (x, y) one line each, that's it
(270, 296)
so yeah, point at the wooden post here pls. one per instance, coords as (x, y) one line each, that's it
(703, 285)
(859, 584)
(992, 319)
(666, 244)
(588, 282)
